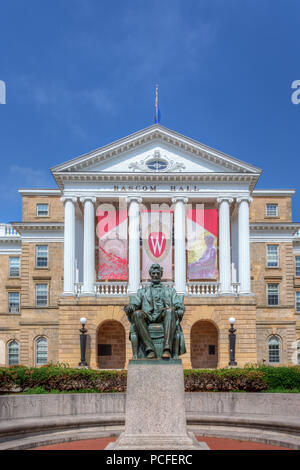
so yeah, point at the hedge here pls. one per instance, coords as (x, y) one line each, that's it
(60, 378)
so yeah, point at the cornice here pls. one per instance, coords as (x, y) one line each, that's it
(40, 192)
(174, 178)
(276, 226)
(30, 226)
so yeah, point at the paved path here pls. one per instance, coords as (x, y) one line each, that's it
(212, 442)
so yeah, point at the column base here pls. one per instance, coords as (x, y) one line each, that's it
(68, 294)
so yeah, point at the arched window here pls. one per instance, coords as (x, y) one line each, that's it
(41, 351)
(298, 352)
(274, 350)
(13, 353)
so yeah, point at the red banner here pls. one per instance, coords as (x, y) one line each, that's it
(113, 254)
(202, 243)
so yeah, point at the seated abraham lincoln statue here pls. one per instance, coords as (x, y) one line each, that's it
(155, 313)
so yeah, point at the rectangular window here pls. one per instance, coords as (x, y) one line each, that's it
(298, 302)
(41, 295)
(42, 256)
(273, 294)
(13, 302)
(272, 210)
(211, 349)
(297, 265)
(272, 256)
(14, 267)
(42, 210)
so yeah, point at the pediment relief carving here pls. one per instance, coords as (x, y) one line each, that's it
(156, 163)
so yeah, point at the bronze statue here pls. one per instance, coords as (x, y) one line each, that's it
(155, 313)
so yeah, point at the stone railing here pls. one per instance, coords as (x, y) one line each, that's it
(193, 289)
(203, 289)
(111, 288)
(6, 230)
(105, 289)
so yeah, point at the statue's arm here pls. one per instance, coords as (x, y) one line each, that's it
(135, 303)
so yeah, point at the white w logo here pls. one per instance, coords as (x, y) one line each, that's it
(157, 244)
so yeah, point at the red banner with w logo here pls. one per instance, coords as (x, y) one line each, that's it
(157, 241)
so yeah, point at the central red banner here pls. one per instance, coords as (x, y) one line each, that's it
(156, 229)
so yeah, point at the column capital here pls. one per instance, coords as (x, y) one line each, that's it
(225, 198)
(179, 198)
(68, 198)
(83, 199)
(244, 198)
(138, 199)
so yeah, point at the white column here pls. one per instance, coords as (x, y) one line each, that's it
(180, 242)
(88, 245)
(244, 245)
(224, 244)
(134, 267)
(69, 245)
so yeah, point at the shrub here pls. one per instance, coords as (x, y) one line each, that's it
(224, 380)
(61, 378)
(284, 378)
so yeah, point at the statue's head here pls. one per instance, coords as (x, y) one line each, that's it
(156, 272)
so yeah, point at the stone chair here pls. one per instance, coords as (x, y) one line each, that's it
(156, 331)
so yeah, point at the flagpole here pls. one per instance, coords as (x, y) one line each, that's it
(156, 104)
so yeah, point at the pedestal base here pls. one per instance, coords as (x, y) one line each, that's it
(155, 408)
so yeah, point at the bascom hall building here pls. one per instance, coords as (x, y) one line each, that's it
(155, 196)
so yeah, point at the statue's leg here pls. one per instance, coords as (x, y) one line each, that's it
(140, 323)
(176, 344)
(134, 338)
(169, 328)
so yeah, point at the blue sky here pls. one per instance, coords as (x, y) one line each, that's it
(82, 73)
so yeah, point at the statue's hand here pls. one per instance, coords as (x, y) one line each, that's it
(129, 309)
(180, 313)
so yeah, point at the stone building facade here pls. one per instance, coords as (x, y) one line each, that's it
(48, 261)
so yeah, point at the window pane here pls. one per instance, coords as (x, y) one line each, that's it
(297, 263)
(298, 302)
(273, 294)
(13, 302)
(274, 350)
(272, 254)
(41, 351)
(13, 353)
(42, 209)
(272, 210)
(14, 267)
(42, 256)
(41, 295)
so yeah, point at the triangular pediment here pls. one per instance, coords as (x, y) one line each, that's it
(155, 149)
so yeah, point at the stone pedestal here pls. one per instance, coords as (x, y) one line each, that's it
(155, 408)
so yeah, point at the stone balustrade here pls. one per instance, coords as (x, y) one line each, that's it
(7, 230)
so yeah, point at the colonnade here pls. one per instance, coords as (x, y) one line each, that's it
(179, 248)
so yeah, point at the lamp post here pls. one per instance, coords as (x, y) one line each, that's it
(232, 338)
(83, 342)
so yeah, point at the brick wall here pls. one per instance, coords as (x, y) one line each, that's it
(258, 209)
(56, 209)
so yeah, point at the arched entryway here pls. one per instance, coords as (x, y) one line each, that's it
(111, 345)
(204, 345)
